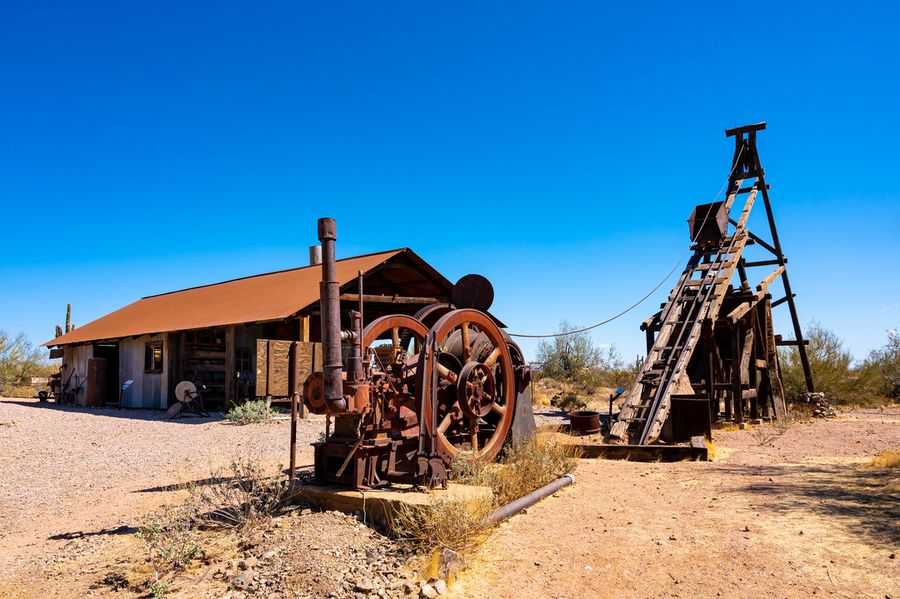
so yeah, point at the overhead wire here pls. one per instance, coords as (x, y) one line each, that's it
(658, 285)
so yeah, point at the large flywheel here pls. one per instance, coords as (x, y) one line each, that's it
(466, 378)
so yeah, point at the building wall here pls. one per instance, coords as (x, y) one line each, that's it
(149, 390)
(74, 368)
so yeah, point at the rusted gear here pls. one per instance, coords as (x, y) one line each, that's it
(458, 433)
(475, 389)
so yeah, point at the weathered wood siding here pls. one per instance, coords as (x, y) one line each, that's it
(149, 390)
(75, 365)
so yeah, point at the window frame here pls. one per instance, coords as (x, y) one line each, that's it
(150, 348)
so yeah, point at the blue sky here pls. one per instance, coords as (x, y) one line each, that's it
(556, 148)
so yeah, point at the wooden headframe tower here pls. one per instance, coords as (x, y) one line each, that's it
(711, 349)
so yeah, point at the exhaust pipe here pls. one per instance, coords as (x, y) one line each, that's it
(329, 307)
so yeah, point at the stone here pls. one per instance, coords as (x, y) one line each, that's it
(449, 564)
(427, 591)
(441, 587)
(364, 585)
(243, 581)
(248, 563)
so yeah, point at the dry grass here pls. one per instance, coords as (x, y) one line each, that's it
(241, 496)
(463, 525)
(889, 458)
(459, 525)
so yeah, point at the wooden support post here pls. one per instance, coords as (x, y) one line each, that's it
(736, 395)
(229, 366)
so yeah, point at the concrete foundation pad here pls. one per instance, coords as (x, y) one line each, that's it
(378, 505)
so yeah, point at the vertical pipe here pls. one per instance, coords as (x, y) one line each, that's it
(329, 306)
(294, 390)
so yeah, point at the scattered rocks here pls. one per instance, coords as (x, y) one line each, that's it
(820, 405)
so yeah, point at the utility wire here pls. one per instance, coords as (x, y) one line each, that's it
(652, 291)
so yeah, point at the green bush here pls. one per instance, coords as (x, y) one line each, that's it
(573, 358)
(248, 412)
(875, 382)
(880, 372)
(19, 361)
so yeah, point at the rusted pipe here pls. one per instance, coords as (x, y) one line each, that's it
(514, 507)
(355, 372)
(294, 390)
(329, 306)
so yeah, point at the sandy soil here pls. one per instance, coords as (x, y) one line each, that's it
(801, 515)
(791, 515)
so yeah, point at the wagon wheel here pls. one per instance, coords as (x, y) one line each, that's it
(476, 402)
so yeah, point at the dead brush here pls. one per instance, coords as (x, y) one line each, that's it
(533, 464)
(766, 434)
(240, 496)
(459, 525)
(463, 525)
(889, 458)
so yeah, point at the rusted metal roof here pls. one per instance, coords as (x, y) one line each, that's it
(259, 298)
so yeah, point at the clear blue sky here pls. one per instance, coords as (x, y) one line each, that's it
(556, 148)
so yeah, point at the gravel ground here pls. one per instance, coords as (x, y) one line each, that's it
(70, 469)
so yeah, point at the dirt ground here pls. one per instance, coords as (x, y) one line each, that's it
(790, 515)
(797, 515)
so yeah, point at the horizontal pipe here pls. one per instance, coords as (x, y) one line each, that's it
(514, 507)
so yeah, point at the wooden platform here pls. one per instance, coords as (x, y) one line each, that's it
(378, 505)
(695, 450)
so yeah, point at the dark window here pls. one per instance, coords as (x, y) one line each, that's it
(242, 360)
(153, 357)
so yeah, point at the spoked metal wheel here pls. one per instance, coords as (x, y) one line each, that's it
(475, 395)
(406, 336)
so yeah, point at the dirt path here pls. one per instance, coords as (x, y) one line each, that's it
(803, 515)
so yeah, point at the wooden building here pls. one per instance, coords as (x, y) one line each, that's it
(229, 336)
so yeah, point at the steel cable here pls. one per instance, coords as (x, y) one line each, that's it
(658, 285)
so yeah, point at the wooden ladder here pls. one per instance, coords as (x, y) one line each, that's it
(695, 300)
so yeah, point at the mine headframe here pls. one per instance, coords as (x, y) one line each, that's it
(713, 343)
(406, 399)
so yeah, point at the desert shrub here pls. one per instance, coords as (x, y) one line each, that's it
(889, 458)
(248, 412)
(521, 470)
(171, 542)
(566, 357)
(240, 496)
(574, 358)
(463, 525)
(875, 382)
(444, 524)
(19, 361)
(829, 362)
(880, 372)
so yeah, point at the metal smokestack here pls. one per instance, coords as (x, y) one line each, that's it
(329, 306)
(315, 255)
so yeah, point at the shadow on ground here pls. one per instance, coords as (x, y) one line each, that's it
(129, 413)
(864, 499)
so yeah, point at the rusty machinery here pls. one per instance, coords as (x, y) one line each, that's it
(406, 399)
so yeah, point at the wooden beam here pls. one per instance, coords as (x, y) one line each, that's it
(229, 366)
(388, 299)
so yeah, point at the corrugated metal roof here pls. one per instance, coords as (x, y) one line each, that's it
(270, 296)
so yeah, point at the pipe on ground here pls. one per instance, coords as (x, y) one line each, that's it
(514, 507)
(329, 306)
